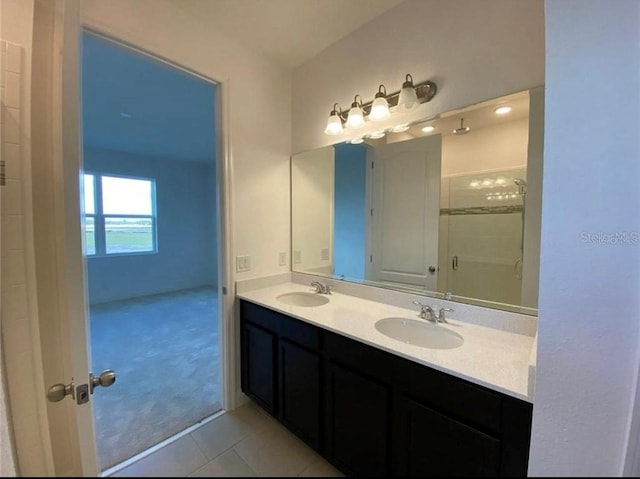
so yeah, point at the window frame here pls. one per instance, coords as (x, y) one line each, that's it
(99, 229)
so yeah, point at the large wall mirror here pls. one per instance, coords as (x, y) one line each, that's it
(448, 207)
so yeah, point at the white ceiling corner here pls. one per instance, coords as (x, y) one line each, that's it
(290, 32)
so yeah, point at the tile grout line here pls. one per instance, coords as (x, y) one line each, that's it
(148, 452)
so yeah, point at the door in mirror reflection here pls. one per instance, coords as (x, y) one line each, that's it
(404, 213)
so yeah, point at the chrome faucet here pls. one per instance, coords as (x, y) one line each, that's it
(321, 288)
(427, 312)
(441, 314)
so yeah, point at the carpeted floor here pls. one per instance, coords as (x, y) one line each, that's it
(164, 349)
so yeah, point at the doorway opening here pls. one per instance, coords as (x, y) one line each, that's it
(149, 206)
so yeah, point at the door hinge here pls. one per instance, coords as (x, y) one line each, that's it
(3, 176)
(370, 258)
(371, 212)
(224, 290)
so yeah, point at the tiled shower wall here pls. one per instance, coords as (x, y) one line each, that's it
(21, 404)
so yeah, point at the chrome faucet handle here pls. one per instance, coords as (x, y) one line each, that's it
(321, 288)
(441, 314)
(426, 311)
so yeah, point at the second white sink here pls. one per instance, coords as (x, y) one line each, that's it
(300, 298)
(419, 333)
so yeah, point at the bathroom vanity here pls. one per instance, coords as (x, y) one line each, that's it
(374, 405)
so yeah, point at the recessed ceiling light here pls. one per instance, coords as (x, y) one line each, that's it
(428, 128)
(502, 110)
(125, 115)
(400, 128)
(356, 141)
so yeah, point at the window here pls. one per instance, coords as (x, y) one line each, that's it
(119, 215)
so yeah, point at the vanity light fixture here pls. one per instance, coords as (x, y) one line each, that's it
(334, 123)
(502, 110)
(408, 98)
(382, 107)
(356, 115)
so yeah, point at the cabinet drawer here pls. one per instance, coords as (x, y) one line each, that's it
(292, 329)
(453, 396)
(359, 356)
(297, 331)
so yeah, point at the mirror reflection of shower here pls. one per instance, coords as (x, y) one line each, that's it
(522, 191)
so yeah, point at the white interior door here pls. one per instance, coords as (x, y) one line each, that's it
(60, 268)
(406, 208)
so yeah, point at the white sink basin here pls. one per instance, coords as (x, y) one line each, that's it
(419, 333)
(300, 298)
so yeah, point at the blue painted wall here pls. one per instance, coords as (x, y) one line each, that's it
(350, 210)
(186, 219)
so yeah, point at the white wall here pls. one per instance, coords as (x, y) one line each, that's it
(472, 50)
(313, 193)
(589, 304)
(257, 90)
(20, 333)
(497, 147)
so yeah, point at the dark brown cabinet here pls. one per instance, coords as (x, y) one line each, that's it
(372, 413)
(281, 369)
(259, 380)
(300, 373)
(358, 428)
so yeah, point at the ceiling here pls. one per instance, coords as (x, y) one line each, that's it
(134, 103)
(290, 32)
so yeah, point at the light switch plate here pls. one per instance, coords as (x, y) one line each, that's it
(282, 259)
(243, 263)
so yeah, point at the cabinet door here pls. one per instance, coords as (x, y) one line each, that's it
(432, 444)
(357, 426)
(258, 378)
(300, 391)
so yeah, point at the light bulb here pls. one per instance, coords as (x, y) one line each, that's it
(428, 128)
(408, 99)
(334, 123)
(380, 106)
(379, 110)
(502, 110)
(356, 116)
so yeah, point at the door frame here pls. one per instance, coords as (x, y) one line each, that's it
(60, 265)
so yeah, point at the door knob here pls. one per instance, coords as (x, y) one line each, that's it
(106, 379)
(57, 392)
(432, 269)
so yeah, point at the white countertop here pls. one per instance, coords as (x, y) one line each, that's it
(497, 359)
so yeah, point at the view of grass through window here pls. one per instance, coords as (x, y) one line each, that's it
(119, 214)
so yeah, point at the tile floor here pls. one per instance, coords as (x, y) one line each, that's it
(245, 442)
